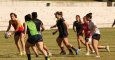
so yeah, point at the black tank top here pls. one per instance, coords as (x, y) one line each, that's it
(38, 24)
(78, 26)
(61, 27)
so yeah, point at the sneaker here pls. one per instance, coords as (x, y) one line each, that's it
(21, 53)
(50, 54)
(92, 52)
(97, 56)
(87, 54)
(37, 55)
(77, 51)
(107, 48)
(62, 53)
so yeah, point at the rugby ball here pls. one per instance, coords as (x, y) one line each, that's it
(7, 35)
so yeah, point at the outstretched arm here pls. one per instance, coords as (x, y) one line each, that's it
(53, 26)
(55, 32)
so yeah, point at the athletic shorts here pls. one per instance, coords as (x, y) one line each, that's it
(18, 33)
(34, 39)
(63, 36)
(96, 36)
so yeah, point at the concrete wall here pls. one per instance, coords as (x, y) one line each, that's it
(103, 15)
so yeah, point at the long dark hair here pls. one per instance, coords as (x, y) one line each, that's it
(89, 15)
(28, 17)
(58, 13)
(79, 18)
(61, 14)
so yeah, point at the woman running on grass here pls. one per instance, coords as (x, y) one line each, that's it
(34, 38)
(95, 35)
(78, 28)
(63, 33)
(88, 37)
(40, 29)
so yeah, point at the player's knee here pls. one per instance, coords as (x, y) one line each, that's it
(41, 48)
(27, 47)
(67, 44)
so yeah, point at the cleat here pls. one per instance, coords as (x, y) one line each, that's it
(92, 52)
(107, 48)
(97, 56)
(87, 54)
(50, 54)
(77, 52)
(20, 53)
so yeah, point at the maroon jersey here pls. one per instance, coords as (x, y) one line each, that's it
(86, 30)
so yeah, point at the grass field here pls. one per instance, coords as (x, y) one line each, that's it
(8, 49)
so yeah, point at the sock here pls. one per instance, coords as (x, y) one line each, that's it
(70, 51)
(73, 48)
(62, 48)
(46, 58)
(29, 56)
(79, 47)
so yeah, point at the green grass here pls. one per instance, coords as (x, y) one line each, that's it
(8, 49)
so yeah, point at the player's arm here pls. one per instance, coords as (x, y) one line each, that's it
(25, 28)
(95, 26)
(74, 27)
(55, 32)
(53, 26)
(42, 27)
(9, 26)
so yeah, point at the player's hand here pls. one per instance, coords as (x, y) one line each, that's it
(51, 27)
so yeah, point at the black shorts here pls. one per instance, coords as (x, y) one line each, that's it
(34, 39)
(63, 36)
(18, 33)
(96, 36)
